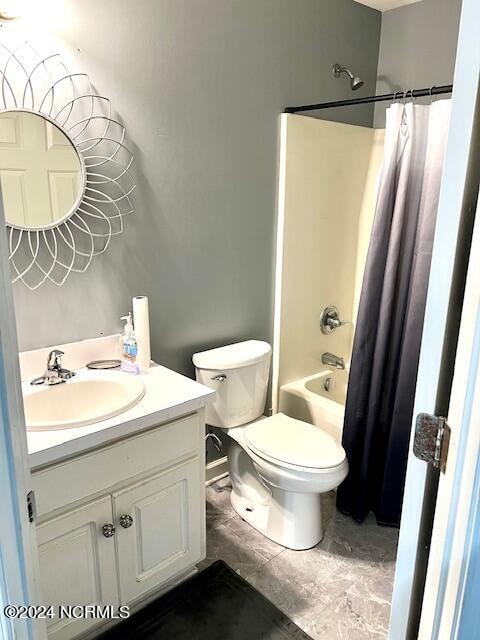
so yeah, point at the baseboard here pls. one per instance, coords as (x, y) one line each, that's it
(216, 470)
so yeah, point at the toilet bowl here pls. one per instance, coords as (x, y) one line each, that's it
(278, 466)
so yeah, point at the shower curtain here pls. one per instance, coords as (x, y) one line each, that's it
(381, 389)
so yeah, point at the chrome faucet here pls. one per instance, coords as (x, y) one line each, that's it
(332, 360)
(55, 373)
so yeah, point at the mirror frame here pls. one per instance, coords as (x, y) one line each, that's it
(33, 83)
(83, 175)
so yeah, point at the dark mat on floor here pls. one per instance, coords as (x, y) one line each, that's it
(216, 604)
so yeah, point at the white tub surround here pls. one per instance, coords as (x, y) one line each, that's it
(318, 399)
(326, 201)
(120, 504)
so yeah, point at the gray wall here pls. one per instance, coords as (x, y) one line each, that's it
(200, 85)
(417, 48)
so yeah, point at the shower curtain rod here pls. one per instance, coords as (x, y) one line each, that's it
(411, 93)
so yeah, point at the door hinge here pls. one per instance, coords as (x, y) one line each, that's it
(431, 440)
(31, 506)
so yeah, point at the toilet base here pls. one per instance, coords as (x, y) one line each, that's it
(290, 518)
(293, 520)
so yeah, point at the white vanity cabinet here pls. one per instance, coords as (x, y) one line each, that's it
(77, 564)
(118, 524)
(161, 534)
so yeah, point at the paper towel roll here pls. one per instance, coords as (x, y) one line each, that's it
(141, 323)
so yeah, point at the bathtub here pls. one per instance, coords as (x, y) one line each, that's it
(318, 399)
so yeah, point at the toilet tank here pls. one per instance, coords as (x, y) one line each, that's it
(239, 374)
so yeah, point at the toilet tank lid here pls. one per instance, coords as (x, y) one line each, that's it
(233, 356)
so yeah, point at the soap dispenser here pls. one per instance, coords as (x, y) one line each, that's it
(129, 347)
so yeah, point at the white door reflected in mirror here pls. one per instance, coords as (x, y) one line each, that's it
(40, 171)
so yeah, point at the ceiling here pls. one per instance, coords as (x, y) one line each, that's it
(385, 5)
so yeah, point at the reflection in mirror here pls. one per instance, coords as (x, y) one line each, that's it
(40, 171)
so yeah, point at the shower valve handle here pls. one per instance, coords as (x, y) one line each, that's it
(330, 320)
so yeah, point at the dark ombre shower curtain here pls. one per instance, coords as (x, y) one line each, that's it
(381, 388)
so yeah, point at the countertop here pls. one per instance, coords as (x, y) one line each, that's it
(168, 395)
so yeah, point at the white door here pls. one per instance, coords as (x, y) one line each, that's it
(457, 196)
(162, 529)
(40, 171)
(17, 558)
(456, 489)
(77, 564)
(19, 580)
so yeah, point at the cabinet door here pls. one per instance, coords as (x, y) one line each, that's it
(162, 533)
(77, 564)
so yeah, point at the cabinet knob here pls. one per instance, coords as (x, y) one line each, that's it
(126, 521)
(108, 530)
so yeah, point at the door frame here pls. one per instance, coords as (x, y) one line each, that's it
(458, 509)
(19, 573)
(450, 255)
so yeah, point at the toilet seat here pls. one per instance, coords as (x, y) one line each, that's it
(293, 443)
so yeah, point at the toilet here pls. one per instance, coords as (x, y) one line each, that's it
(278, 466)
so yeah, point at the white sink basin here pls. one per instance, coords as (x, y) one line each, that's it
(87, 398)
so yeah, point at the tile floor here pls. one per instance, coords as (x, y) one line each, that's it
(340, 589)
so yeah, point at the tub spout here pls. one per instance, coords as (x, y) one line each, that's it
(332, 360)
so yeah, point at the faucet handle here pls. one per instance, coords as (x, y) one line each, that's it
(330, 320)
(55, 373)
(55, 359)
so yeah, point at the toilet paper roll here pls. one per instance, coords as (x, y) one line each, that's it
(141, 323)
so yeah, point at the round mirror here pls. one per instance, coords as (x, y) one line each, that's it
(41, 174)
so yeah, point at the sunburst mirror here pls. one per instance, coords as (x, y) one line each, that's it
(64, 168)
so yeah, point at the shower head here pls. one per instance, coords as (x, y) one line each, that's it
(355, 81)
